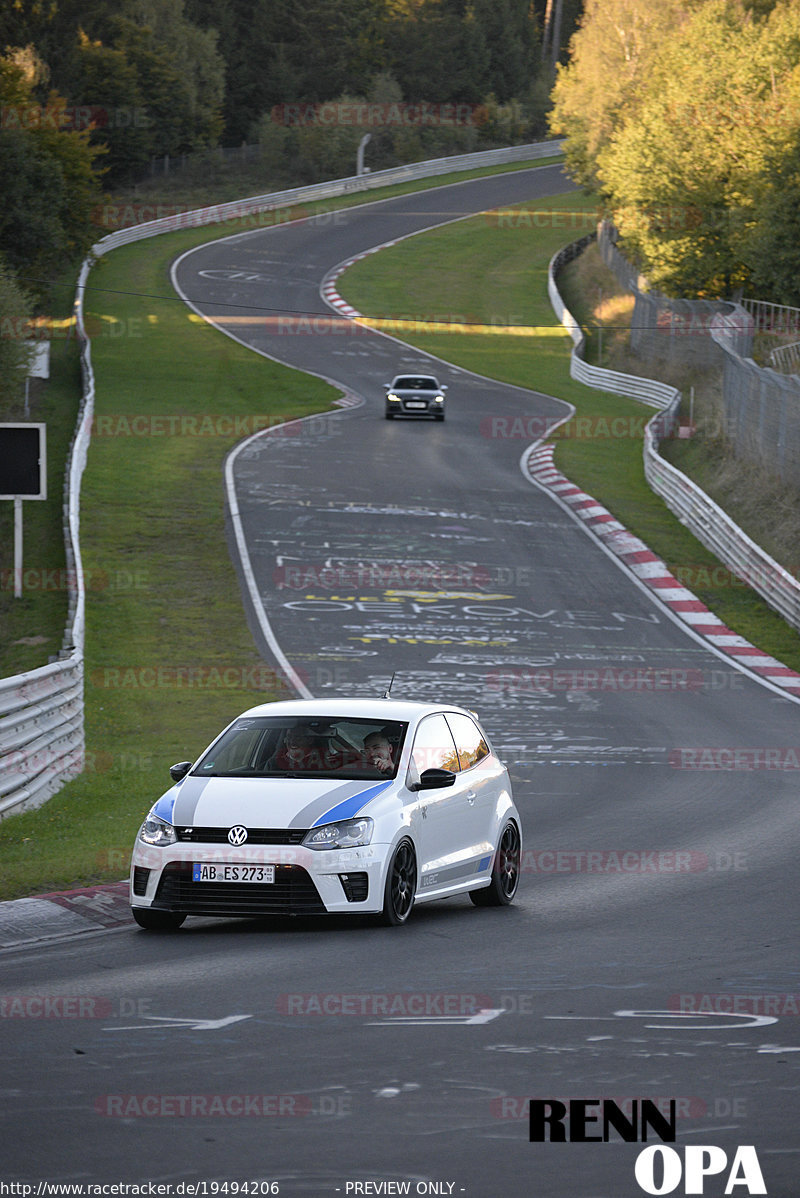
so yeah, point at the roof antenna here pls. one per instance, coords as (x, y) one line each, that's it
(387, 692)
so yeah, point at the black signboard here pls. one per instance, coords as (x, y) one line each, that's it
(23, 473)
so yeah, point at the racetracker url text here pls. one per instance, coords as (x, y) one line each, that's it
(143, 1189)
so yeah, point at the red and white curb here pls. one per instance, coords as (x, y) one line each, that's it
(69, 913)
(328, 289)
(653, 574)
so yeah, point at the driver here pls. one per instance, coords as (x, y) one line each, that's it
(300, 750)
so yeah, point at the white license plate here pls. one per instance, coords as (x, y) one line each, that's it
(205, 871)
(416, 403)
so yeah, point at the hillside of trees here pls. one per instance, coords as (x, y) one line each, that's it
(93, 92)
(685, 116)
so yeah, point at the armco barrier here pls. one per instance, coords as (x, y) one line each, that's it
(705, 519)
(42, 741)
(221, 213)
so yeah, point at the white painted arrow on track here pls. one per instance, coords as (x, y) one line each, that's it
(195, 1025)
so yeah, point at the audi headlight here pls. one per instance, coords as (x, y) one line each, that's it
(392, 398)
(347, 834)
(157, 831)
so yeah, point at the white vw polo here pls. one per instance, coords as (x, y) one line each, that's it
(343, 806)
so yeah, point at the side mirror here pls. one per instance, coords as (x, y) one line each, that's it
(443, 387)
(179, 771)
(434, 779)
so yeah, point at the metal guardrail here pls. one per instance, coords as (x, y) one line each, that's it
(786, 357)
(648, 391)
(712, 526)
(42, 741)
(221, 213)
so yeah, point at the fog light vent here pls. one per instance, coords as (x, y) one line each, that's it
(355, 887)
(140, 879)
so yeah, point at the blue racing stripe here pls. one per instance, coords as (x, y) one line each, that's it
(164, 806)
(350, 807)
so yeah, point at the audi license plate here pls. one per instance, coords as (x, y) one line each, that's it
(416, 403)
(204, 871)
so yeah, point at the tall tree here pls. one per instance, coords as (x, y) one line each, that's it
(510, 32)
(50, 183)
(685, 173)
(610, 60)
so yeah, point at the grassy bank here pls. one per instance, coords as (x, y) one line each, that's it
(32, 627)
(170, 658)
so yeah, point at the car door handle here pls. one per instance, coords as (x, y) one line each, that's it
(471, 797)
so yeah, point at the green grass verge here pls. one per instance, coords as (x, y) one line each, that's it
(170, 658)
(32, 627)
(488, 271)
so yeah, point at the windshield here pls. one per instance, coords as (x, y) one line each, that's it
(416, 384)
(308, 747)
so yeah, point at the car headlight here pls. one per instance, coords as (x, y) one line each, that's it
(157, 831)
(392, 398)
(440, 399)
(347, 834)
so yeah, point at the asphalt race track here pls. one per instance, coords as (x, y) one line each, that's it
(331, 1056)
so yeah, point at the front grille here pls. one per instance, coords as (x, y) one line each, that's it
(355, 886)
(292, 893)
(254, 835)
(140, 878)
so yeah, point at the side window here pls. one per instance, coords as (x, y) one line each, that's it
(471, 746)
(434, 747)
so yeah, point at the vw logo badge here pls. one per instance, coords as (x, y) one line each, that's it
(237, 835)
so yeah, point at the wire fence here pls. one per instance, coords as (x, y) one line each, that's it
(713, 527)
(760, 406)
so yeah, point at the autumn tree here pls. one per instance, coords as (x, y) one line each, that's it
(611, 56)
(687, 171)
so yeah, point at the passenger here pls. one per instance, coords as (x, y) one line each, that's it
(378, 752)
